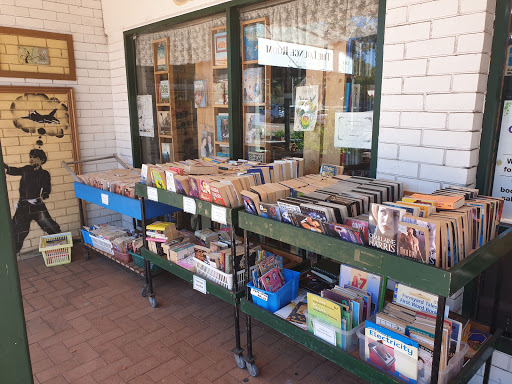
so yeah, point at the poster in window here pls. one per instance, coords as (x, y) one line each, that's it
(145, 115)
(353, 129)
(38, 130)
(306, 108)
(221, 49)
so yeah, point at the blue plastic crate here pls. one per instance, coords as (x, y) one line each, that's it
(276, 301)
(87, 237)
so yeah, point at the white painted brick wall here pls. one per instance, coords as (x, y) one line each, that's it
(436, 65)
(93, 91)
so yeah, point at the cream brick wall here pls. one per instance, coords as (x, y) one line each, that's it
(436, 63)
(93, 91)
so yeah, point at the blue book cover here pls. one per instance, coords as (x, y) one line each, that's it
(251, 35)
(391, 352)
(365, 281)
(222, 127)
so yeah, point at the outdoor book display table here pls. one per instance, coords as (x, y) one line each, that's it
(442, 283)
(215, 212)
(117, 203)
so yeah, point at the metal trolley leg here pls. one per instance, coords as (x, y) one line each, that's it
(81, 207)
(249, 359)
(238, 350)
(438, 340)
(147, 288)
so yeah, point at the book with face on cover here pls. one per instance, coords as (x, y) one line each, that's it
(383, 227)
(413, 242)
(272, 281)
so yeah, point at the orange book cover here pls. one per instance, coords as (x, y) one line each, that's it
(442, 201)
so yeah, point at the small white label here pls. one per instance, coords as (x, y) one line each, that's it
(324, 332)
(189, 205)
(259, 294)
(152, 194)
(199, 284)
(104, 199)
(171, 186)
(219, 214)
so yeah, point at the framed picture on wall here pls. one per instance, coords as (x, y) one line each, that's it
(220, 45)
(38, 128)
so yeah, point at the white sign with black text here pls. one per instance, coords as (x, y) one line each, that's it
(290, 55)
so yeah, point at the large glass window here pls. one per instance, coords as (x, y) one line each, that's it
(182, 88)
(308, 78)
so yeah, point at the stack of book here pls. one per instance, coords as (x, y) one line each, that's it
(119, 181)
(158, 234)
(268, 274)
(401, 339)
(439, 229)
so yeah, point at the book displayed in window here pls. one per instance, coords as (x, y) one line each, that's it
(166, 153)
(164, 122)
(254, 85)
(207, 147)
(223, 127)
(221, 49)
(254, 128)
(306, 108)
(161, 64)
(251, 35)
(164, 91)
(200, 92)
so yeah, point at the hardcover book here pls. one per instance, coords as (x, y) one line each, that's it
(254, 85)
(383, 227)
(251, 35)
(391, 352)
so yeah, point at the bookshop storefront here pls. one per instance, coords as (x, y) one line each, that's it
(291, 78)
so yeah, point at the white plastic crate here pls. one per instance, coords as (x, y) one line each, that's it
(53, 253)
(102, 244)
(223, 279)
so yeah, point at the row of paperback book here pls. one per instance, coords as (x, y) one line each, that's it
(218, 180)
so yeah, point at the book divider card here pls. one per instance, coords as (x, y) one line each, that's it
(257, 130)
(203, 208)
(434, 281)
(219, 91)
(165, 101)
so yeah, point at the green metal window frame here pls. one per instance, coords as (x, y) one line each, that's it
(492, 117)
(231, 10)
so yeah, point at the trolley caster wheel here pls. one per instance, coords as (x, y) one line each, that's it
(153, 302)
(252, 369)
(240, 362)
(144, 291)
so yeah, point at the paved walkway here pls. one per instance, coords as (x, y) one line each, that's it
(87, 324)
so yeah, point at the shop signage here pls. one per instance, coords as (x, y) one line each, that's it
(502, 186)
(289, 55)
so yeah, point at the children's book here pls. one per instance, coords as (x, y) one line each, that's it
(251, 35)
(271, 280)
(391, 352)
(254, 85)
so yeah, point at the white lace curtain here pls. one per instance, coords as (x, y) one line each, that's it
(309, 22)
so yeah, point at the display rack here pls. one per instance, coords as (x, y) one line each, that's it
(163, 72)
(422, 276)
(259, 150)
(117, 203)
(228, 216)
(220, 72)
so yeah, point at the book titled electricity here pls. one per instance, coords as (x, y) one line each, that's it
(391, 352)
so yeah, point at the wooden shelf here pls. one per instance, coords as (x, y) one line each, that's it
(162, 73)
(256, 105)
(219, 66)
(224, 143)
(163, 105)
(165, 136)
(249, 62)
(220, 106)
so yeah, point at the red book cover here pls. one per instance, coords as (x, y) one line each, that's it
(216, 196)
(272, 281)
(204, 190)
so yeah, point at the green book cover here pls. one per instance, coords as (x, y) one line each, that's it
(329, 314)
